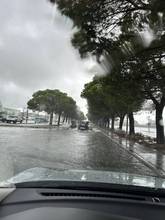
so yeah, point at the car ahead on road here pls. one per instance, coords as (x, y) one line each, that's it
(73, 124)
(12, 119)
(83, 125)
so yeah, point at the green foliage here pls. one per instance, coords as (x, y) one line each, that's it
(113, 30)
(110, 96)
(53, 101)
(101, 22)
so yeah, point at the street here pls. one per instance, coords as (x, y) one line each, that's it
(63, 148)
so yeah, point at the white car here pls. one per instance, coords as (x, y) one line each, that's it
(13, 119)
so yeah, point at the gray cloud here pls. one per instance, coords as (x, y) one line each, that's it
(35, 52)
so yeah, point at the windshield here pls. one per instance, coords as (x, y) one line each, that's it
(82, 91)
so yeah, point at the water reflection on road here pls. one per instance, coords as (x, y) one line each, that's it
(63, 148)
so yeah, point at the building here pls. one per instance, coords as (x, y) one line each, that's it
(9, 111)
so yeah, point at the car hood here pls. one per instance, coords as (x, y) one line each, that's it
(47, 174)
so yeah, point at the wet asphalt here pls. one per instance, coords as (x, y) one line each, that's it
(63, 148)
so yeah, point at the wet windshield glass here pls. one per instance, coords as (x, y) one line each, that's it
(82, 91)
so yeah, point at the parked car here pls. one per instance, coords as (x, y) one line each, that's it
(12, 119)
(20, 120)
(1, 118)
(83, 125)
(41, 120)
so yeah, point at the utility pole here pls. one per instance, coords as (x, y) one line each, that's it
(27, 115)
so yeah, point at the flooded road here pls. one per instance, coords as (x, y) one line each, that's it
(63, 148)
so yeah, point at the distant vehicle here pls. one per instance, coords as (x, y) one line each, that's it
(12, 119)
(41, 120)
(73, 124)
(19, 120)
(31, 120)
(83, 125)
(1, 118)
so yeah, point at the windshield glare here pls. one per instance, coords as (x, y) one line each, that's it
(82, 91)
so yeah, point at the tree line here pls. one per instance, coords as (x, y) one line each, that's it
(55, 102)
(128, 39)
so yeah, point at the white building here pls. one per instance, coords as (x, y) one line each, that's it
(9, 111)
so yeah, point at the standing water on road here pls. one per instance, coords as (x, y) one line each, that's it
(63, 148)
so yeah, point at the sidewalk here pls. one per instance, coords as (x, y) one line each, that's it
(33, 125)
(152, 158)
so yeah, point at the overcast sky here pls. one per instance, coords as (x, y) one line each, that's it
(36, 53)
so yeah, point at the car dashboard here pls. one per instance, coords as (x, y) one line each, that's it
(79, 204)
